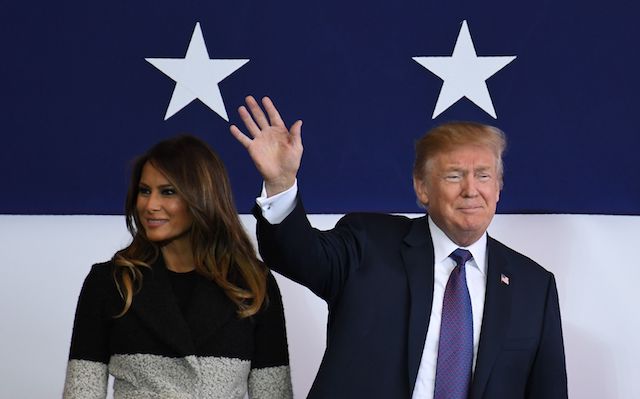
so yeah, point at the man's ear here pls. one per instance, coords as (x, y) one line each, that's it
(420, 187)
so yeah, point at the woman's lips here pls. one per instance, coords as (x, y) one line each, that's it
(155, 222)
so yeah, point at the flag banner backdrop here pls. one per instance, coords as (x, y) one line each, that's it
(88, 86)
(83, 95)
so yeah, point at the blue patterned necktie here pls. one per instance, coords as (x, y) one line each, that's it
(455, 349)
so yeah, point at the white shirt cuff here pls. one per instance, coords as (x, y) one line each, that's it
(276, 208)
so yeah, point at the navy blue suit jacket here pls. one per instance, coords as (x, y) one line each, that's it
(376, 274)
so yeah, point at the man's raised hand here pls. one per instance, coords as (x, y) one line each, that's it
(275, 151)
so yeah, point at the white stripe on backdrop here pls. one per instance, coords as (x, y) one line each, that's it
(44, 259)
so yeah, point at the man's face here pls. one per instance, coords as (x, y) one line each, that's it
(461, 189)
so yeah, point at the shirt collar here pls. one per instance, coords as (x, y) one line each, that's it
(443, 246)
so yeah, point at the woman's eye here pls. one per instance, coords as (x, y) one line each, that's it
(144, 191)
(168, 191)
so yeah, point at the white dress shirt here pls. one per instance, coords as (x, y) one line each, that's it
(276, 208)
(476, 270)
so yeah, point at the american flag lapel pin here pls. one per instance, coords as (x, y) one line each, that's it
(504, 279)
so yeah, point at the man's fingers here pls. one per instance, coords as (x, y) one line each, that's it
(272, 112)
(296, 132)
(257, 122)
(258, 116)
(253, 129)
(241, 137)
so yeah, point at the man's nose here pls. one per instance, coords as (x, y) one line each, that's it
(469, 186)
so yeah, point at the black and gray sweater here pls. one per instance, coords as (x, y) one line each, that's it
(174, 345)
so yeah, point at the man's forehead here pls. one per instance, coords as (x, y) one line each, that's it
(477, 156)
(466, 166)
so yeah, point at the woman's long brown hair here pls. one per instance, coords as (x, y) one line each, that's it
(222, 250)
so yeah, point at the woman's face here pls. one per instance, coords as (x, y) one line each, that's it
(163, 213)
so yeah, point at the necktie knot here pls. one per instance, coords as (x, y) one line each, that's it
(461, 256)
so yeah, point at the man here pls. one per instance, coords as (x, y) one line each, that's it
(418, 308)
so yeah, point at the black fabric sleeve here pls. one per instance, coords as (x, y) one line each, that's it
(548, 377)
(320, 260)
(271, 347)
(90, 337)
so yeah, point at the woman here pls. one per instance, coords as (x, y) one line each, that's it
(186, 310)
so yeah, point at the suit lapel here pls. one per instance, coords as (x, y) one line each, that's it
(157, 309)
(417, 254)
(495, 319)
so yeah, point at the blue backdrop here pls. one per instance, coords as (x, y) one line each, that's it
(79, 100)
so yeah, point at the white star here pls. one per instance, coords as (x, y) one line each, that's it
(464, 74)
(196, 76)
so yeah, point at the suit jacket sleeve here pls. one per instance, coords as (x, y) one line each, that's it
(548, 378)
(319, 260)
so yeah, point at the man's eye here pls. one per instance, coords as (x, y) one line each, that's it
(484, 176)
(452, 177)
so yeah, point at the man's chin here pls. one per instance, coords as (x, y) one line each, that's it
(472, 228)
